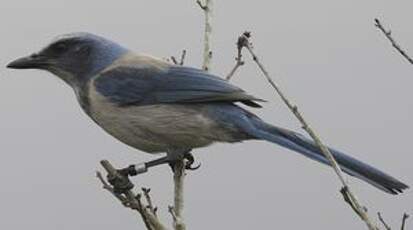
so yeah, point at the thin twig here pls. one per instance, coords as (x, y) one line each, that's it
(142, 211)
(181, 61)
(110, 189)
(171, 210)
(150, 220)
(174, 60)
(388, 35)
(383, 222)
(405, 216)
(238, 59)
(148, 198)
(200, 5)
(294, 109)
(207, 8)
(183, 55)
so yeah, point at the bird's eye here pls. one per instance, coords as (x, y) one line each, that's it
(60, 47)
(81, 49)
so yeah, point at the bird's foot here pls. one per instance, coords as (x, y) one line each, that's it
(190, 161)
(120, 181)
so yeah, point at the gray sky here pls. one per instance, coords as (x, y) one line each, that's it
(327, 55)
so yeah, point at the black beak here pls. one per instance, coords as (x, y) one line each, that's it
(34, 61)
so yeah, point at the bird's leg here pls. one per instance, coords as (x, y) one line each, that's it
(121, 183)
(133, 170)
(136, 169)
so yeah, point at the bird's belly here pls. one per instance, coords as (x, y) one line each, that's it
(129, 130)
(158, 128)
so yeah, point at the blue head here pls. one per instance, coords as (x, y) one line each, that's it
(73, 57)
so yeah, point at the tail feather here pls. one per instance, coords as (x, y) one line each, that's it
(308, 148)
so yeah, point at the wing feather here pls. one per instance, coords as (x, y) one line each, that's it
(127, 86)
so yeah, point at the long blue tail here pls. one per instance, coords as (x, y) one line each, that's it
(305, 146)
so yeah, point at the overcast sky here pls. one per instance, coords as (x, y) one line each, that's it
(343, 74)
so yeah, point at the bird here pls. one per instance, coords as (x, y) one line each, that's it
(159, 107)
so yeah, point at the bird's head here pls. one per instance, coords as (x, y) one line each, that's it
(73, 57)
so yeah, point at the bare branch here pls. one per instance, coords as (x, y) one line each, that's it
(239, 62)
(405, 216)
(383, 222)
(174, 60)
(171, 210)
(110, 189)
(388, 35)
(207, 8)
(183, 55)
(179, 176)
(348, 199)
(148, 213)
(181, 61)
(128, 198)
(141, 209)
(148, 198)
(349, 196)
(200, 5)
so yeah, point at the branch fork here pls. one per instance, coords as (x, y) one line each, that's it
(201, 5)
(148, 211)
(241, 43)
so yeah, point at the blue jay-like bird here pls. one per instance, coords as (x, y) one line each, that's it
(159, 107)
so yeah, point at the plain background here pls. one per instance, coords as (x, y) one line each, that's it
(335, 65)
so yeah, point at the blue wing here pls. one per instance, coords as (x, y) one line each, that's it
(127, 85)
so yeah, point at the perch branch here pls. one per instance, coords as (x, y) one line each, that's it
(128, 198)
(388, 35)
(349, 195)
(207, 8)
(177, 210)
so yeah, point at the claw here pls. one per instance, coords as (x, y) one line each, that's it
(190, 167)
(190, 162)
